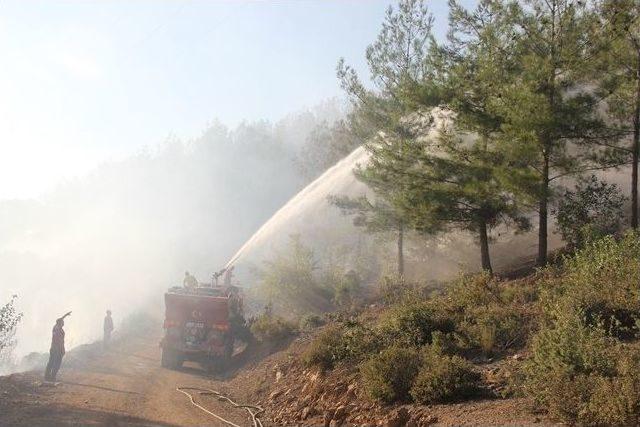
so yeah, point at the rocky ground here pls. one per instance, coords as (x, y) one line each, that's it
(127, 387)
(295, 395)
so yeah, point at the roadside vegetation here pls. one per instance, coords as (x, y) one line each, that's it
(573, 330)
(501, 125)
(9, 319)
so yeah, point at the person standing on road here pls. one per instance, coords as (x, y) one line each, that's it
(56, 351)
(108, 328)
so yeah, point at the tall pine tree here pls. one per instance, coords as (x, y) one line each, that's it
(550, 120)
(617, 59)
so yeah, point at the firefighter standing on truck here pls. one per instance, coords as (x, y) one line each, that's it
(56, 351)
(189, 281)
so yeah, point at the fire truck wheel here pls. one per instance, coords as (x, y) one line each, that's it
(170, 359)
(228, 348)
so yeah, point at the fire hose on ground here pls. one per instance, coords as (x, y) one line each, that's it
(254, 411)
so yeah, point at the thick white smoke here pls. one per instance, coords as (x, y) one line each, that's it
(119, 237)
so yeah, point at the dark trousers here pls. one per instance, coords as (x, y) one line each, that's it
(55, 360)
(107, 339)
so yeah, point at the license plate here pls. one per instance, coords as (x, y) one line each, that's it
(198, 325)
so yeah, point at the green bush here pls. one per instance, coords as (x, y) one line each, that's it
(325, 350)
(388, 376)
(582, 367)
(495, 328)
(444, 378)
(347, 289)
(350, 342)
(488, 315)
(271, 328)
(311, 321)
(393, 291)
(594, 209)
(413, 324)
(289, 280)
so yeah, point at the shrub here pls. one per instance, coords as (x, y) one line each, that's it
(488, 314)
(616, 401)
(444, 378)
(341, 343)
(592, 210)
(346, 289)
(311, 321)
(581, 369)
(271, 328)
(289, 280)
(388, 376)
(9, 319)
(413, 324)
(495, 328)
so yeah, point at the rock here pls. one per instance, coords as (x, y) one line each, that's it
(336, 423)
(328, 416)
(278, 376)
(517, 356)
(397, 418)
(340, 413)
(308, 411)
(275, 394)
(428, 420)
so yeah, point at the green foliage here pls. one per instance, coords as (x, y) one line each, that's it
(326, 350)
(9, 320)
(350, 342)
(311, 321)
(592, 210)
(379, 216)
(581, 352)
(374, 217)
(289, 282)
(288, 274)
(393, 291)
(489, 315)
(388, 376)
(413, 324)
(443, 378)
(270, 328)
(347, 290)
(615, 68)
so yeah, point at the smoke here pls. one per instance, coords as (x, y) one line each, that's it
(117, 238)
(322, 227)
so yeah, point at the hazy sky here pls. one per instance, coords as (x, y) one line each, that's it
(83, 82)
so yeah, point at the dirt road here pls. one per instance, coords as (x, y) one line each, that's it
(124, 386)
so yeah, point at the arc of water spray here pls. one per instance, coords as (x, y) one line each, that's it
(352, 158)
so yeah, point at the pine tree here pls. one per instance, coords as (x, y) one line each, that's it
(397, 63)
(550, 120)
(446, 179)
(375, 217)
(617, 55)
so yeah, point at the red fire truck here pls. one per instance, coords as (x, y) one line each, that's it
(199, 325)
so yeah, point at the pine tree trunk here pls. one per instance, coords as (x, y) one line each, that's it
(543, 214)
(484, 247)
(635, 153)
(543, 209)
(401, 252)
